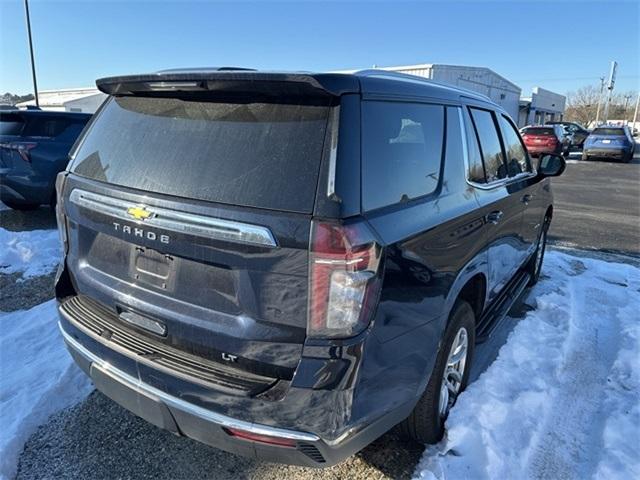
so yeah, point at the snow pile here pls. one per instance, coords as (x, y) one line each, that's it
(562, 400)
(35, 252)
(37, 378)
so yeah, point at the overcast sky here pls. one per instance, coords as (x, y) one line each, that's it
(556, 45)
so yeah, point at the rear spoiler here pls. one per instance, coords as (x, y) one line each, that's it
(230, 82)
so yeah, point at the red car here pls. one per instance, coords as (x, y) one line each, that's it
(546, 139)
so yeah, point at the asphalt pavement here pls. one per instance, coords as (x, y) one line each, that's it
(597, 206)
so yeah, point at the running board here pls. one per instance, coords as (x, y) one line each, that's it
(493, 317)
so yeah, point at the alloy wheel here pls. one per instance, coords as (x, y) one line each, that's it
(453, 372)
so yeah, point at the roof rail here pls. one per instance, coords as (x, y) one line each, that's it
(407, 77)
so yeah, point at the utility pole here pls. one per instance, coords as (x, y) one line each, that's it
(599, 100)
(626, 102)
(612, 82)
(33, 64)
(635, 113)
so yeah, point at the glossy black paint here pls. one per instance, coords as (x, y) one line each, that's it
(252, 301)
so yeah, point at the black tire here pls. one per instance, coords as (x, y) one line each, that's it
(23, 207)
(534, 267)
(628, 157)
(426, 424)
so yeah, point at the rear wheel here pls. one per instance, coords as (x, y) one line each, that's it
(23, 207)
(535, 263)
(448, 378)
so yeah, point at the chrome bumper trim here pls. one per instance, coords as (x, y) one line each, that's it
(180, 404)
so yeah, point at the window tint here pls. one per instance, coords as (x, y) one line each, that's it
(539, 131)
(45, 126)
(489, 144)
(264, 155)
(517, 158)
(476, 168)
(401, 151)
(608, 131)
(11, 124)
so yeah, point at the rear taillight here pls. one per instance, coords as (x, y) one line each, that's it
(22, 148)
(59, 208)
(343, 279)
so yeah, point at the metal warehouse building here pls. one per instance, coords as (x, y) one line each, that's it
(85, 100)
(479, 79)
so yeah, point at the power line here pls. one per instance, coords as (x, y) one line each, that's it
(570, 78)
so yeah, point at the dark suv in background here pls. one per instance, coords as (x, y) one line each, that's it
(286, 265)
(578, 132)
(34, 148)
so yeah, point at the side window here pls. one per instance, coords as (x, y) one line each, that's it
(476, 167)
(517, 158)
(401, 151)
(489, 144)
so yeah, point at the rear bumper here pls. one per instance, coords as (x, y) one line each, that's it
(537, 151)
(606, 152)
(177, 414)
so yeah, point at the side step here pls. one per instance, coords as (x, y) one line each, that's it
(493, 317)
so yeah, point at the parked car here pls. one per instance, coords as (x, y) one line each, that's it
(610, 142)
(543, 139)
(34, 148)
(578, 132)
(286, 266)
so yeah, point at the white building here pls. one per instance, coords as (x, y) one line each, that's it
(86, 100)
(479, 79)
(541, 107)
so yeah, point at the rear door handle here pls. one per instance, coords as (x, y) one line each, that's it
(526, 199)
(495, 216)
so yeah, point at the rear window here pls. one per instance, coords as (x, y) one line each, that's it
(538, 131)
(43, 126)
(11, 124)
(264, 155)
(608, 131)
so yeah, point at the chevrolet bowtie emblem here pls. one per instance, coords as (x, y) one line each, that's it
(139, 213)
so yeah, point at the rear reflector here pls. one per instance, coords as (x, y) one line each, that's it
(256, 437)
(343, 279)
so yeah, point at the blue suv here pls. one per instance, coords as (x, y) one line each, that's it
(34, 147)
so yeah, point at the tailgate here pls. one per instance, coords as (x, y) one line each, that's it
(189, 267)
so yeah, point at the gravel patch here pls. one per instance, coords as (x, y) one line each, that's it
(17, 293)
(98, 439)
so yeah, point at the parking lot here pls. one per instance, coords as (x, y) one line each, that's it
(597, 209)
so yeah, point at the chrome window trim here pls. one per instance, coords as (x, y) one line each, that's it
(180, 404)
(176, 221)
(485, 186)
(333, 153)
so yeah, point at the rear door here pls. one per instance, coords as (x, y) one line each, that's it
(499, 200)
(196, 213)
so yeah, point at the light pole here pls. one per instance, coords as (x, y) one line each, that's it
(33, 64)
(610, 85)
(599, 101)
(635, 113)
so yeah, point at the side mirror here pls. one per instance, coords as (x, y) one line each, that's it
(551, 165)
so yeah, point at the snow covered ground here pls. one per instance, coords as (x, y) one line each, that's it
(34, 252)
(37, 378)
(562, 400)
(37, 375)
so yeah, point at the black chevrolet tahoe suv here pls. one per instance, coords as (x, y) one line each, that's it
(287, 265)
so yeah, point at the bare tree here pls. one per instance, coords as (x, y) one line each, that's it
(582, 104)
